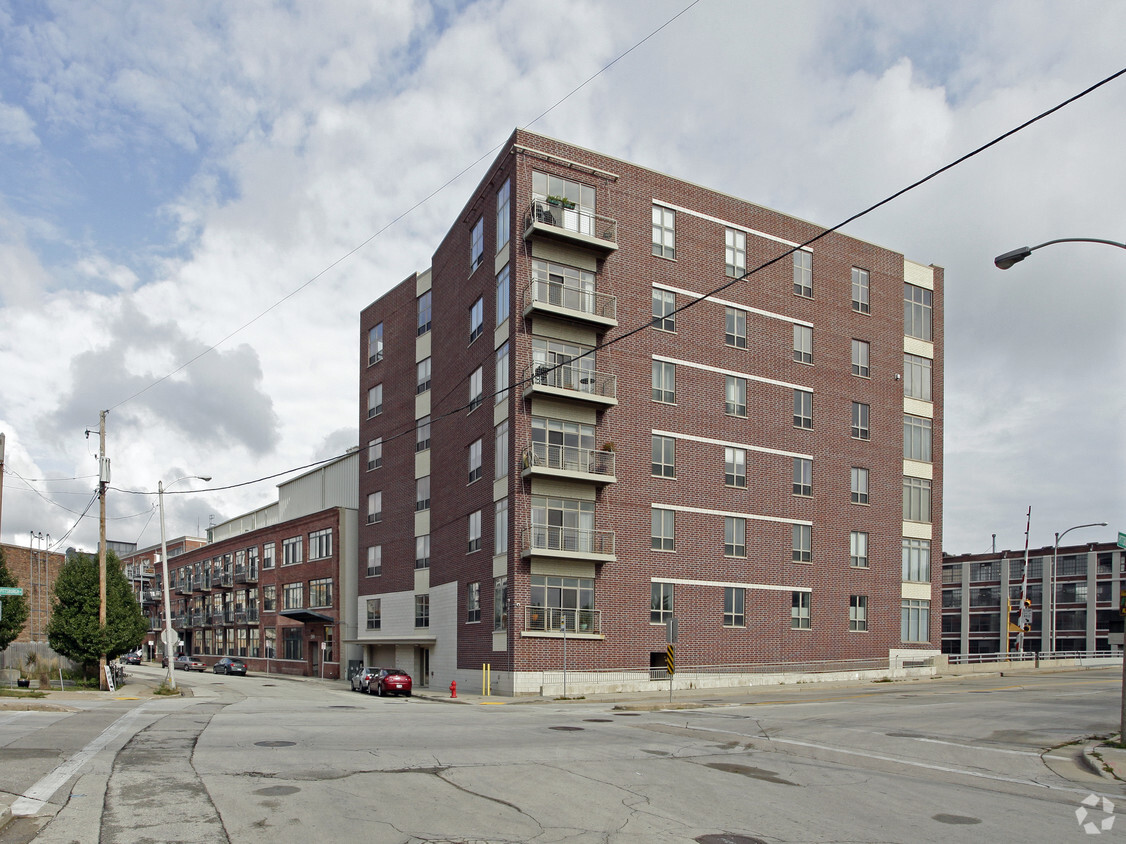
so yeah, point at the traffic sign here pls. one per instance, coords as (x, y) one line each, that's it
(16, 590)
(1121, 539)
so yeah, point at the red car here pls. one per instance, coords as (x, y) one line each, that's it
(390, 681)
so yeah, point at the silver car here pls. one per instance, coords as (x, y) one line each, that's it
(363, 677)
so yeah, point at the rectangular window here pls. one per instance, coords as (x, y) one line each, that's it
(375, 453)
(735, 328)
(421, 611)
(269, 643)
(474, 461)
(422, 434)
(861, 302)
(504, 215)
(375, 344)
(803, 343)
(422, 381)
(500, 603)
(915, 622)
(474, 522)
(860, 357)
(917, 560)
(858, 613)
(476, 389)
(291, 551)
(320, 544)
(664, 310)
(504, 294)
(664, 232)
(472, 603)
(859, 485)
(476, 319)
(734, 613)
(803, 409)
(293, 596)
(735, 467)
(799, 610)
(293, 643)
(268, 555)
(422, 493)
(374, 613)
(424, 313)
(735, 396)
(375, 507)
(477, 244)
(375, 400)
(664, 382)
(269, 598)
(500, 528)
(916, 438)
(916, 499)
(664, 457)
(375, 561)
(501, 383)
(803, 476)
(500, 450)
(320, 592)
(735, 253)
(734, 536)
(663, 530)
(860, 413)
(917, 377)
(660, 603)
(918, 312)
(858, 549)
(556, 600)
(422, 551)
(803, 273)
(803, 544)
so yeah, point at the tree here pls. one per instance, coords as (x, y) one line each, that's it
(74, 631)
(13, 616)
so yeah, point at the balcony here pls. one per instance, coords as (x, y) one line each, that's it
(566, 380)
(551, 620)
(226, 580)
(196, 619)
(214, 619)
(553, 298)
(568, 543)
(571, 225)
(246, 575)
(203, 583)
(184, 588)
(151, 596)
(546, 460)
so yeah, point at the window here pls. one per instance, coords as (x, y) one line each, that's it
(293, 642)
(803, 409)
(421, 610)
(734, 536)
(567, 600)
(500, 450)
(500, 603)
(803, 273)
(422, 434)
(476, 389)
(734, 614)
(859, 485)
(803, 476)
(423, 379)
(320, 544)
(916, 438)
(860, 291)
(424, 313)
(293, 596)
(474, 532)
(422, 551)
(664, 530)
(860, 356)
(803, 343)
(664, 307)
(504, 215)
(664, 382)
(375, 507)
(472, 603)
(375, 401)
(918, 311)
(474, 461)
(269, 598)
(917, 560)
(735, 253)
(858, 549)
(476, 319)
(320, 592)
(664, 232)
(916, 499)
(500, 527)
(664, 457)
(422, 493)
(477, 244)
(803, 544)
(501, 383)
(291, 551)
(268, 555)
(799, 610)
(915, 621)
(504, 295)
(860, 412)
(375, 561)
(735, 467)
(858, 613)
(660, 603)
(735, 328)
(917, 377)
(375, 453)
(374, 613)
(269, 643)
(375, 344)
(735, 396)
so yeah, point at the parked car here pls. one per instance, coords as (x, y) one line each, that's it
(229, 665)
(131, 659)
(390, 681)
(189, 663)
(362, 678)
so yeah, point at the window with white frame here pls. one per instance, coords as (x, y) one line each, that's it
(504, 294)
(735, 328)
(291, 551)
(375, 453)
(916, 438)
(504, 214)
(422, 380)
(803, 343)
(320, 544)
(500, 450)
(500, 527)
(861, 352)
(860, 413)
(918, 312)
(858, 485)
(803, 409)
(663, 536)
(293, 596)
(803, 476)
(422, 551)
(421, 611)
(375, 344)
(425, 312)
(734, 612)
(267, 555)
(375, 507)
(374, 613)
(472, 603)
(501, 384)
(664, 382)
(861, 302)
(476, 388)
(857, 613)
(660, 603)
(803, 544)
(916, 499)
(917, 377)
(476, 319)
(500, 603)
(269, 598)
(375, 400)
(799, 610)
(915, 620)
(422, 493)
(422, 434)
(734, 536)
(664, 310)
(735, 253)
(320, 592)
(735, 466)
(916, 560)
(664, 456)
(664, 232)
(474, 461)
(803, 273)
(477, 244)
(474, 532)
(375, 561)
(735, 396)
(858, 549)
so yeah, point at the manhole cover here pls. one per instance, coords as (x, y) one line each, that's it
(275, 743)
(955, 819)
(599, 720)
(277, 790)
(728, 838)
(567, 729)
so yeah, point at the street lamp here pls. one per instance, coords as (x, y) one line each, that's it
(1052, 581)
(168, 634)
(1006, 260)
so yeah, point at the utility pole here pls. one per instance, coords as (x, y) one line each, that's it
(103, 480)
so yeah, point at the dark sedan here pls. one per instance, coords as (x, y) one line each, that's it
(131, 659)
(230, 665)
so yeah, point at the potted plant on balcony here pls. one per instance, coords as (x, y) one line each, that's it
(561, 201)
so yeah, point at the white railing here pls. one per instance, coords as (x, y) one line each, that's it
(567, 539)
(559, 295)
(569, 458)
(550, 620)
(568, 376)
(1029, 656)
(572, 219)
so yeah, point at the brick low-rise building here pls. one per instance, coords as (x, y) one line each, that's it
(566, 423)
(35, 569)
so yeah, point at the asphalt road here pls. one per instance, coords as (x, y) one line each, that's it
(260, 759)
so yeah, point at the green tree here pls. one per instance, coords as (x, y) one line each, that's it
(13, 616)
(74, 631)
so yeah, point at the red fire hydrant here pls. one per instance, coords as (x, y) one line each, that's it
(453, 688)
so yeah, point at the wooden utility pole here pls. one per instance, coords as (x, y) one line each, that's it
(103, 480)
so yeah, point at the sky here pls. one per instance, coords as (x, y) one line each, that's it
(197, 200)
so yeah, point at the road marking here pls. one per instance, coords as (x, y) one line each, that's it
(973, 746)
(36, 797)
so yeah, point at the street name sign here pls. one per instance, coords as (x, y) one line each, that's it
(17, 590)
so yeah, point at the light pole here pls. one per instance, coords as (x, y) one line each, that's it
(1052, 582)
(1003, 262)
(168, 634)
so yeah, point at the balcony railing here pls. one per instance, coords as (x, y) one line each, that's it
(569, 461)
(184, 588)
(215, 618)
(195, 619)
(203, 583)
(558, 541)
(572, 224)
(151, 596)
(554, 297)
(571, 381)
(551, 620)
(226, 580)
(246, 575)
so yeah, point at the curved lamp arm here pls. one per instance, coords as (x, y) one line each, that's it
(1005, 261)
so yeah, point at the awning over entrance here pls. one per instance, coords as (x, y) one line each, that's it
(427, 639)
(308, 616)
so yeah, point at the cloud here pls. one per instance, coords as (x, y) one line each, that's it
(17, 129)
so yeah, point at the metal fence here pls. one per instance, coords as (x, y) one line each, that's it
(1030, 656)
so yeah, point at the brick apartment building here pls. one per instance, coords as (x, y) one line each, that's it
(565, 422)
(35, 569)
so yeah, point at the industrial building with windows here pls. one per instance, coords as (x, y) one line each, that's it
(572, 433)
